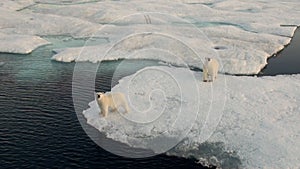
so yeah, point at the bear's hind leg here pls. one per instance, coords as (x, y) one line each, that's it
(215, 74)
(205, 74)
(210, 78)
(114, 108)
(126, 108)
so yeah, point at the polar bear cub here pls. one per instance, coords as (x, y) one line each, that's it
(111, 101)
(210, 69)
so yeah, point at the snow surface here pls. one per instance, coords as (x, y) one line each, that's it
(15, 5)
(29, 23)
(251, 122)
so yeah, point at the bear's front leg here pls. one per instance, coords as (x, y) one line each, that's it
(104, 111)
(205, 75)
(211, 78)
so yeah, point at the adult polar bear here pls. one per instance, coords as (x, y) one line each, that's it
(210, 69)
(111, 101)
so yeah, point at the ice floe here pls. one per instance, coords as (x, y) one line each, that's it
(242, 122)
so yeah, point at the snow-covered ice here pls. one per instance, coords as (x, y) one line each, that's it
(239, 51)
(256, 120)
(247, 32)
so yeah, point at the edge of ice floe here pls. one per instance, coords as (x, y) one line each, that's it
(20, 44)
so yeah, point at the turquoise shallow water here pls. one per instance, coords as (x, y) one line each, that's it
(38, 125)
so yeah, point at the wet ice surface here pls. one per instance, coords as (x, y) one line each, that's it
(237, 125)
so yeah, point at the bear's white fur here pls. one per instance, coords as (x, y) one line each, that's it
(210, 69)
(111, 101)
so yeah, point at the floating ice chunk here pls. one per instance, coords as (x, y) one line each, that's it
(22, 44)
(259, 127)
(88, 53)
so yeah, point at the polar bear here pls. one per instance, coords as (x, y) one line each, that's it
(111, 101)
(210, 69)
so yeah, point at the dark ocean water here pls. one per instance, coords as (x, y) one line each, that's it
(287, 61)
(39, 127)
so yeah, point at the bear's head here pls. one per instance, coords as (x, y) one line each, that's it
(207, 59)
(100, 95)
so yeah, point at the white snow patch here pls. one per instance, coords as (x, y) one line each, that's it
(260, 120)
(28, 23)
(15, 4)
